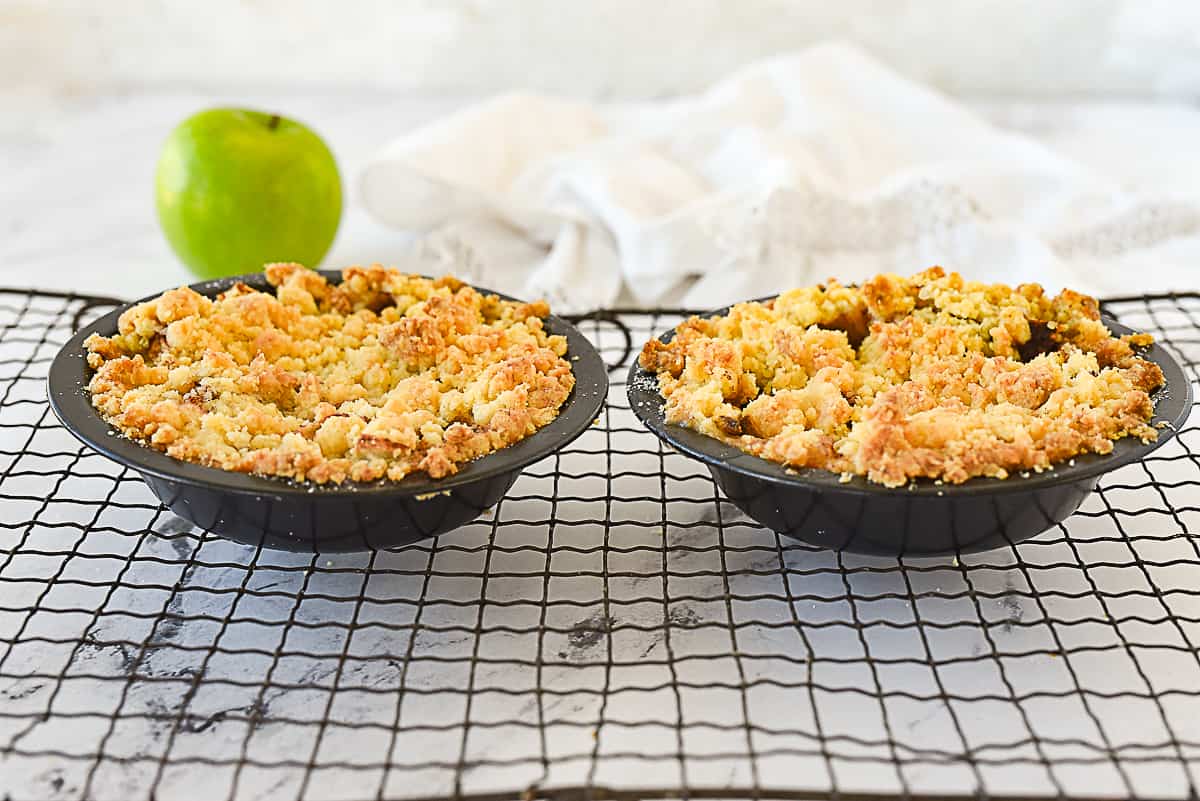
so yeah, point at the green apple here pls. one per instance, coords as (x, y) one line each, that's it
(237, 189)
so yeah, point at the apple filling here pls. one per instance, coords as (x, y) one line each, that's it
(926, 377)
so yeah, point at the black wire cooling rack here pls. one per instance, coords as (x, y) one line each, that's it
(612, 629)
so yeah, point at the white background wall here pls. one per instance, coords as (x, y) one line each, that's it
(606, 48)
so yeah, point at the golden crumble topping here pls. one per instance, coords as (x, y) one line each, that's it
(930, 376)
(382, 375)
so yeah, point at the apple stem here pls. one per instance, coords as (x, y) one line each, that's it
(273, 123)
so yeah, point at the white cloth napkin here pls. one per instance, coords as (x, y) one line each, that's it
(816, 164)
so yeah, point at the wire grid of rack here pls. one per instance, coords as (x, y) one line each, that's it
(613, 628)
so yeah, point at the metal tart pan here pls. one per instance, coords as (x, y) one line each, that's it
(923, 518)
(302, 516)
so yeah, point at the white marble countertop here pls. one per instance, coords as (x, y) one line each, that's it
(650, 638)
(156, 627)
(76, 202)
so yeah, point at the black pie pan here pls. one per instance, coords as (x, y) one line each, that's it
(923, 518)
(277, 513)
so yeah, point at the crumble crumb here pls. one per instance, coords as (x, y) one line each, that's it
(930, 376)
(379, 376)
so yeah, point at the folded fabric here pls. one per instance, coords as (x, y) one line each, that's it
(810, 165)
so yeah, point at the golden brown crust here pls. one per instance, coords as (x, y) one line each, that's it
(930, 376)
(382, 375)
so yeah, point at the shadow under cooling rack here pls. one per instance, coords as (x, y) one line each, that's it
(613, 628)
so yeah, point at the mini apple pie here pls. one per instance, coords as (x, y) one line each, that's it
(925, 377)
(380, 376)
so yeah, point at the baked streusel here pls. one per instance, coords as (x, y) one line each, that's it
(930, 376)
(382, 375)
